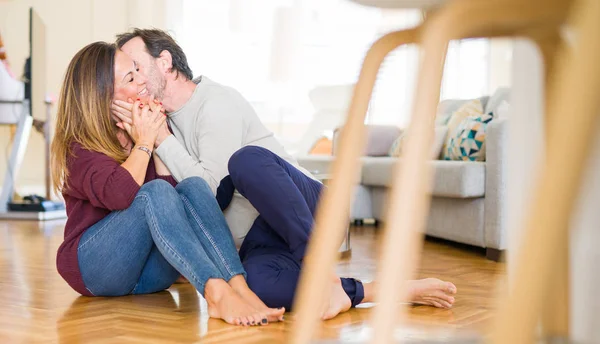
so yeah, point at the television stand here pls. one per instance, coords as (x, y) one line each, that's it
(41, 211)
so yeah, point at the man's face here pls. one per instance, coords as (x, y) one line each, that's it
(136, 50)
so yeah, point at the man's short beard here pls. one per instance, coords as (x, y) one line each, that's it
(157, 83)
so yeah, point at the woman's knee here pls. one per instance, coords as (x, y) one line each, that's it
(157, 187)
(193, 183)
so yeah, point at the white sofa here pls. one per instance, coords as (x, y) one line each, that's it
(468, 198)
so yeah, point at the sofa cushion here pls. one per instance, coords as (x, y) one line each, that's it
(379, 139)
(458, 179)
(439, 138)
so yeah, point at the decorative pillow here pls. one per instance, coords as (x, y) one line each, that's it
(470, 108)
(467, 142)
(443, 113)
(436, 148)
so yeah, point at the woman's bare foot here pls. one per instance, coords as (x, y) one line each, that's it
(432, 292)
(338, 301)
(238, 283)
(224, 303)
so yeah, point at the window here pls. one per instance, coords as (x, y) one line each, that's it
(274, 52)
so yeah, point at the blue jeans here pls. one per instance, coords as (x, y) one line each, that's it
(273, 250)
(165, 232)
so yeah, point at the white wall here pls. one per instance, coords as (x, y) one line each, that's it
(526, 137)
(70, 25)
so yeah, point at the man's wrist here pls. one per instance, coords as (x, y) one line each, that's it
(160, 140)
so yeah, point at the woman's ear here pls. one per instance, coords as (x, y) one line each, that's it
(165, 61)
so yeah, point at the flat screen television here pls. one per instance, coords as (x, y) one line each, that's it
(35, 66)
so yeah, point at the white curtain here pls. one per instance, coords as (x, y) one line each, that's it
(274, 52)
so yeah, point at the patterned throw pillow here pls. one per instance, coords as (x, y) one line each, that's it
(467, 142)
(470, 108)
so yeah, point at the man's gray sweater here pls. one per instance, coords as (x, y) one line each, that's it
(214, 123)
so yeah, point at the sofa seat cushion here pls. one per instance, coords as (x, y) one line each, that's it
(456, 179)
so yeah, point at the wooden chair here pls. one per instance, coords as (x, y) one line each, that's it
(573, 111)
(536, 19)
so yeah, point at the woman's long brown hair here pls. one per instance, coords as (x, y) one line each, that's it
(84, 114)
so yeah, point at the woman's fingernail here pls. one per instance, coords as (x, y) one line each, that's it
(160, 103)
(264, 320)
(138, 99)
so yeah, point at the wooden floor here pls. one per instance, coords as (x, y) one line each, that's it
(37, 306)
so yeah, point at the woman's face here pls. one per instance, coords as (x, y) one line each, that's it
(129, 82)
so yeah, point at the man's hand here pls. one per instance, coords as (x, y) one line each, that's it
(122, 111)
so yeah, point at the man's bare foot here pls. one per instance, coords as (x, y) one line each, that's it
(224, 303)
(238, 283)
(338, 301)
(432, 292)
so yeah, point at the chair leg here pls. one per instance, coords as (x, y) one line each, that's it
(570, 140)
(408, 201)
(555, 316)
(332, 214)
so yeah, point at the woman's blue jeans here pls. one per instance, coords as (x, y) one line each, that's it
(165, 232)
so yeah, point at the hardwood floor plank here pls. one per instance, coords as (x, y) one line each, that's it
(37, 306)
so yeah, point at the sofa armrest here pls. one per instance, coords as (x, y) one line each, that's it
(495, 233)
(316, 164)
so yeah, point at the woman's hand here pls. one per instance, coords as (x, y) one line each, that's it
(163, 131)
(122, 111)
(145, 123)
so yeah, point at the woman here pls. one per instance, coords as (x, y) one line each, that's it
(131, 228)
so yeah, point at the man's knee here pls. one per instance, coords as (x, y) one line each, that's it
(246, 158)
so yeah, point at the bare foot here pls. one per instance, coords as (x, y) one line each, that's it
(432, 292)
(224, 303)
(338, 301)
(238, 283)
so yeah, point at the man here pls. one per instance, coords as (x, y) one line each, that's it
(218, 136)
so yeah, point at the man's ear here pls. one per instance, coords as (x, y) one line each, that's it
(165, 61)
